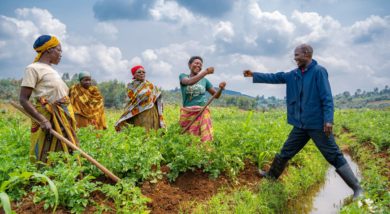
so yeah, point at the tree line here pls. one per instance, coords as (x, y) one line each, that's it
(115, 96)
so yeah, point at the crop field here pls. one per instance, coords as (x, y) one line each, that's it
(166, 172)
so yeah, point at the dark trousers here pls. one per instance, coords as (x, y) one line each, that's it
(298, 138)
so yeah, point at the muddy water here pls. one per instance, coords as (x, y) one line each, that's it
(330, 197)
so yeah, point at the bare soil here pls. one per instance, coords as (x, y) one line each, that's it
(188, 189)
(193, 186)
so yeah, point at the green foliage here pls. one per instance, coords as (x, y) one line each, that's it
(127, 197)
(5, 202)
(135, 156)
(242, 201)
(9, 89)
(15, 186)
(130, 153)
(52, 187)
(263, 158)
(14, 138)
(373, 162)
(73, 191)
(114, 93)
(376, 99)
(17, 182)
(367, 125)
(306, 169)
(133, 153)
(230, 99)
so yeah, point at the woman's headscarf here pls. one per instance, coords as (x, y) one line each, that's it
(43, 43)
(135, 68)
(84, 74)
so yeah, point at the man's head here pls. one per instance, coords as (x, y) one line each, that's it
(303, 55)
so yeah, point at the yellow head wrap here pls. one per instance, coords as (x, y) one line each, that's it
(43, 43)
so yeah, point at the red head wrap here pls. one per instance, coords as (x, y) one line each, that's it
(135, 68)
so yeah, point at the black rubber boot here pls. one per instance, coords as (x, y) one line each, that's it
(277, 167)
(349, 178)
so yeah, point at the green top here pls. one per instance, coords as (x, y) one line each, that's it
(194, 95)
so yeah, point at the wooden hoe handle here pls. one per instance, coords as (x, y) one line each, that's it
(71, 145)
(201, 111)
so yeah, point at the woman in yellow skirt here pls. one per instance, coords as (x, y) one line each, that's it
(49, 103)
(88, 103)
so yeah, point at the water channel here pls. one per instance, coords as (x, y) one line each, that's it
(331, 195)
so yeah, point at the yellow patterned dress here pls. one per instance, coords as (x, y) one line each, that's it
(61, 116)
(88, 105)
(50, 98)
(145, 107)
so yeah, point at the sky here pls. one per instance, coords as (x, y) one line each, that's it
(350, 39)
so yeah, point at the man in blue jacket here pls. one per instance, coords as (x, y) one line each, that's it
(310, 111)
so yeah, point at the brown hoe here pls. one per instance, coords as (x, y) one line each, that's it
(201, 111)
(71, 145)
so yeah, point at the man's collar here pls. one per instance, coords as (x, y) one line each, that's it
(312, 63)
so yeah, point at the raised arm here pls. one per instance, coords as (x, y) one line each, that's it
(272, 78)
(212, 91)
(194, 79)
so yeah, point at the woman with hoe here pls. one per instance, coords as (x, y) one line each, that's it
(50, 103)
(193, 89)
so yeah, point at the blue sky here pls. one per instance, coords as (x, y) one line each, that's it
(107, 37)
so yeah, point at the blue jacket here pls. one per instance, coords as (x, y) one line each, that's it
(309, 97)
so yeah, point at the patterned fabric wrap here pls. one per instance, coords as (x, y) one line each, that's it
(202, 126)
(143, 96)
(43, 43)
(88, 105)
(61, 116)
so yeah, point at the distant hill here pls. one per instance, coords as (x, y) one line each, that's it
(235, 93)
(115, 96)
(227, 92)
(228, 98)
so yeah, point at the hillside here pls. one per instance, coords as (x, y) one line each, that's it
(115, 97)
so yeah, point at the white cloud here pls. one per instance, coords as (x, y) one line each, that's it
(248, 37)
(224, 31)
(135, 61)
(19, 33)
(106, 62)
(270, 20)
(341, 64)
(22, 28)
(253, 31)
(249, 62)
(313, 28)
(149, 55)
(369, 29)
(109, 59)
(77, 54)
(43, 20)
(107, 29)
(157, 67)
(171, 11)
(161, 68)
